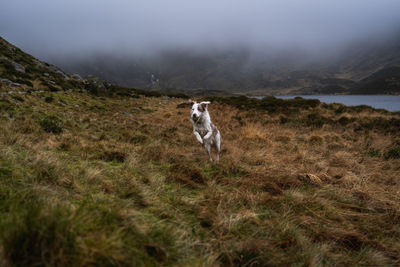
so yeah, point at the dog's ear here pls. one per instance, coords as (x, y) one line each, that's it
(204, 104)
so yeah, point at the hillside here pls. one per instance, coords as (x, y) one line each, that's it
(241, 70)
(20, 70)
(234, 70)
(112, 176)
(388, 79)
(369, 56)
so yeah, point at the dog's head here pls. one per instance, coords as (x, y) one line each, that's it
(198, 109)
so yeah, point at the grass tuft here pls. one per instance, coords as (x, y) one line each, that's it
(185, 175)
(116, 156)
(393, 153)
(51, 124)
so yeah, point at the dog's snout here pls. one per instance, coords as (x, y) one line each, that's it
(194, 116)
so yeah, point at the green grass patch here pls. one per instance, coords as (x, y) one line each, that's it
(51, 124)
(393, 153)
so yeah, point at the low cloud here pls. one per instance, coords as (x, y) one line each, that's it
(55, 28)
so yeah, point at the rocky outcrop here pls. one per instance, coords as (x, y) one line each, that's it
(18, 67)
(9, 83)
(76, 77)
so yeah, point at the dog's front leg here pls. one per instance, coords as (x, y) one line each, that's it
(198, 137)
(208, 135)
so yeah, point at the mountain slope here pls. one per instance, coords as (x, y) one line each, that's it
(20, 71)
(233, 70)
(241, 70)
(385, 81)
(369, 56)
(23, 70)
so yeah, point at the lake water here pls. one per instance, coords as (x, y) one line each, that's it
(388, 102)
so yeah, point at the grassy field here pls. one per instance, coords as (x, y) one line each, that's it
(121, 181)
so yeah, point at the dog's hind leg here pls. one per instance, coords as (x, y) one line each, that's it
(208, 149)
(218, 145)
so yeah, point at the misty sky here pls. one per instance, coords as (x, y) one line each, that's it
(47, 28)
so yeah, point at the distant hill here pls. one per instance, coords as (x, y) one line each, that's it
(239, 70)
(362, 59)
(369, 69)
(385, 81)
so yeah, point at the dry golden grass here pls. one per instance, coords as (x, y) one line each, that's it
(128, 184)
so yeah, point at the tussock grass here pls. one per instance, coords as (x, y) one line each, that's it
(98, 180)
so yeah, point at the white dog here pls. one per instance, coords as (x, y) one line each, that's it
(204, 130)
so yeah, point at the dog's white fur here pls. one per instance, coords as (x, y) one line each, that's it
(204, 130)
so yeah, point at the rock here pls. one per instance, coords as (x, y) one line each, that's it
(51, 82)
(310, 179)
(129, 114)
(62, 74)
(6, 81)
(39, 63)
(94, 84)
(53, 68)
(167, 98)
(46, 74)
(10, 83)
(76, 77)
(18, 67)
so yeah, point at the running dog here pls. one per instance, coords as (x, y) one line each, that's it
(204, 130)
